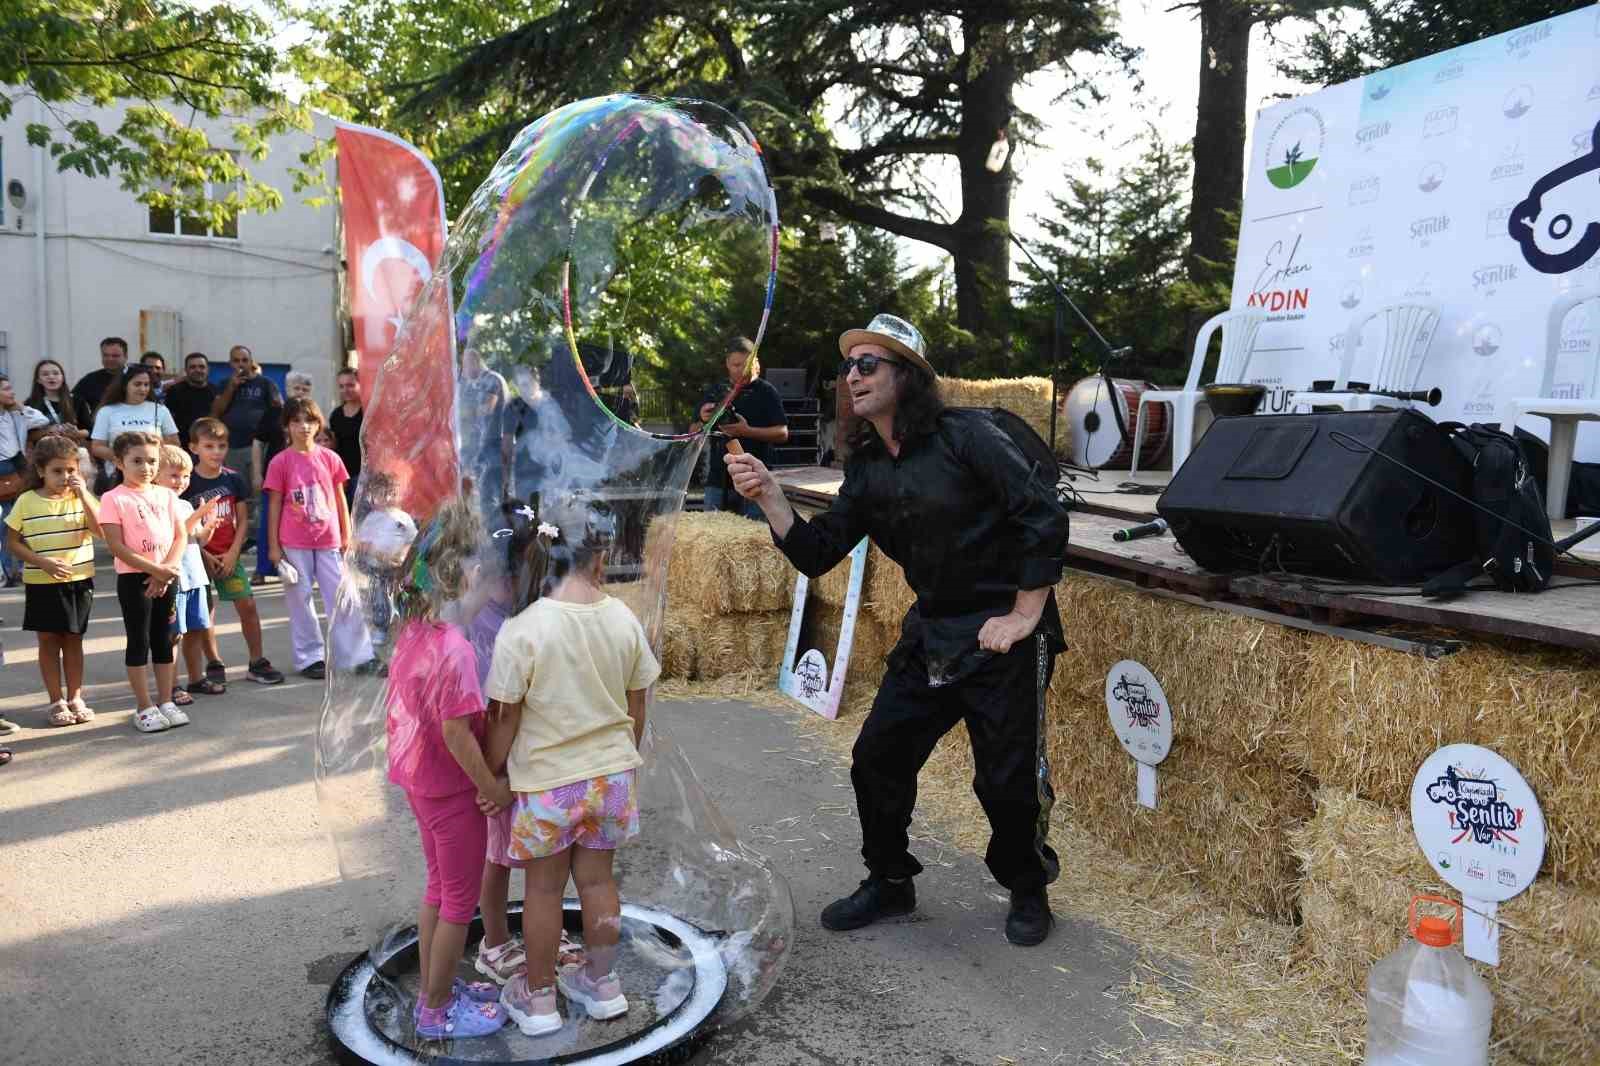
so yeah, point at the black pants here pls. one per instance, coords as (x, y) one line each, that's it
(148, 622)
(1003, 706)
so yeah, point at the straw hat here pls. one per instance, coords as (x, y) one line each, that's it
(895, 334)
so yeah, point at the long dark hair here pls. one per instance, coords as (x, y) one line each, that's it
(917, 407)
(65, 407)
(117, 391)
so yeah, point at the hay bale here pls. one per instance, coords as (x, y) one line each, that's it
(1381, 713)
(1029, 398)
(1362, 867)
(885, 592)
(724, 564)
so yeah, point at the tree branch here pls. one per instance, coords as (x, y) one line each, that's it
(938, 234)
(907, 146)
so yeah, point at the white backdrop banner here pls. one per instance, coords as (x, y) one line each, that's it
(1404, 186)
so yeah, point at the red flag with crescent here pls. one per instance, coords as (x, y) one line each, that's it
(394, 232)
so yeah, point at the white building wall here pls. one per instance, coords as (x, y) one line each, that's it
(273, 288)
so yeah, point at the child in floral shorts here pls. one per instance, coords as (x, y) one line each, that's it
(571, 670)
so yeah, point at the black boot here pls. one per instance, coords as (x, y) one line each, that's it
(876, 898)
(1030, 918)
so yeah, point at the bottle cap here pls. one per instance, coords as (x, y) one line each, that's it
(1432, 930)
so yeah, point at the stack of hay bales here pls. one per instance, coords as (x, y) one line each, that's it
(1362, 867)
(1029, 398)
(729, 593)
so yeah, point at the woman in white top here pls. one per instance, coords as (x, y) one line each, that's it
(127, 405)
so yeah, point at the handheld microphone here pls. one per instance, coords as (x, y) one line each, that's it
(1431, 397)
(1149, 529)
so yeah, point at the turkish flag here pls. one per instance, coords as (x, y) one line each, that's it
(394, 232)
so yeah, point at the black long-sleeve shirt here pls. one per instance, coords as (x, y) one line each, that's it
(966, 517)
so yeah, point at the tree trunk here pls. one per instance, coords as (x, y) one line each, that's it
(982, 250)
(1219, 133)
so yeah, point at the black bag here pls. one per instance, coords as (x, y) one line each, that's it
(1513, 532)
(1032, 446)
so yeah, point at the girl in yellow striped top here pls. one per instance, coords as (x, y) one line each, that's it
(52, 529)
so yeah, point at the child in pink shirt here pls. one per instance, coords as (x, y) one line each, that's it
(435, 728)
(140, 522)
(308, 524)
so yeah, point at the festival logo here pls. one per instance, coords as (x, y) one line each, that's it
(1431, 177)
(1294, 147)
(1557, 224)
(1440, 121)
(1139, 712)
(1487, 339)
(1475, 807)
(1510, 164)
(1424, 230)
(1518, 102)
(1594, 93)
(1138, 705)
(1350, 297)
(1487, 279)
(812, 673)
(1369, 135)
(1272, 290)
(1379, 87)
(1365, 190)
(1518, 44)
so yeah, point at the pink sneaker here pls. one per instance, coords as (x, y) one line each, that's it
(534, 1010)
(602, 997)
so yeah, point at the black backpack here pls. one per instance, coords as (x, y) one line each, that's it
(1513, 531)
(1032, 446)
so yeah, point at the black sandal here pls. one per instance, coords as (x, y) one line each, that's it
(207, 687)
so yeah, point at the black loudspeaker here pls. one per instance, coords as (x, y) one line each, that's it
(1307, 494)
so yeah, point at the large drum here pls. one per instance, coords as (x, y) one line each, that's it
(1091, 409)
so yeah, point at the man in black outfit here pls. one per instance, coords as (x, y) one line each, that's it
(756, 419)
(981, 536)
(87, 392)
(191, 397)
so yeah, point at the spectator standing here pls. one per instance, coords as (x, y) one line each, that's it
(243, 405)
(51, 398)
(345, 424)
(16, 422)
(192, 396)
(91, 388)
(756, 418)
(127, 405)
(157, 364)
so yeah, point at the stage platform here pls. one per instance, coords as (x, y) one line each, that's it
(1566, 614)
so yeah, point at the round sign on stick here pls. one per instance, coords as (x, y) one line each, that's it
(1142, 719)
(1480, 826)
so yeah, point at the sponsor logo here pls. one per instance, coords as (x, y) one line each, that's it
(1424, 230)
(1379, 87)
(1486, 340)
(1373, 132)
(1510, 164)
(1350, 297)
(1495, 222)
(1507, 878)
(1364, 244)
(1475, 809)
(1475, 870)
(1594, 93)
(1489, 278)
(1294, 147)
(1450, 72)
(1444, 860)
(1274, 289)
(1365, 190)
(1483, 403)
(1440, 120)
(1557, 224)
(1421, 289)
(1431, 177)
(1518, 102)
(1518, 43)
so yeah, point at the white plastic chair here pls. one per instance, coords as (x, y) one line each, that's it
(1564, 413)
(1239, 329)
(1408, 332)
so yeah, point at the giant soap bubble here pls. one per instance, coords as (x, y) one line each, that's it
(618, 240)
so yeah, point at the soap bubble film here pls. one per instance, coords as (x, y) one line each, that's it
(617, 240)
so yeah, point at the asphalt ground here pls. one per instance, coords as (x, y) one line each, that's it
(173, 898)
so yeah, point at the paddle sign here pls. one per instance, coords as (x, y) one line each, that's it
(1141, 718)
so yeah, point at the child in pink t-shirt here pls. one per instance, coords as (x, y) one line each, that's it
(436, 728)
(308, 524)
(141, 525)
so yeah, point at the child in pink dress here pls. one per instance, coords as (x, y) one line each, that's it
(435, 729)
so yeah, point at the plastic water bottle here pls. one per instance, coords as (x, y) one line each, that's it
(1425, 1006)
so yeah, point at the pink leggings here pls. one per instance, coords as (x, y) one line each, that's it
(454, 836)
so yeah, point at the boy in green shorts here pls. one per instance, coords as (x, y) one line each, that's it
(208, 440)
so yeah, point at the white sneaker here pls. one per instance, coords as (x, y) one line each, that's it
(173, 714)
(150, 720)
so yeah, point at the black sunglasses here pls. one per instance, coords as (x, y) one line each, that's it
(867, 364)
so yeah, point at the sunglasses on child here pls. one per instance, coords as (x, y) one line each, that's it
(867, 364)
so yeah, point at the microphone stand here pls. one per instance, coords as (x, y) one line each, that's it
(1055, 344)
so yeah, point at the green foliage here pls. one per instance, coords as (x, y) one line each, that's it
(1116, 242)
(1397, 31)
(171, 62)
